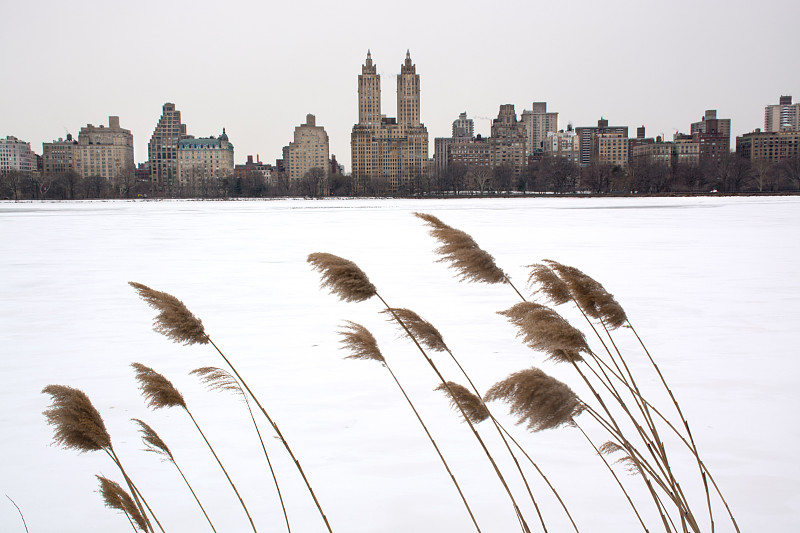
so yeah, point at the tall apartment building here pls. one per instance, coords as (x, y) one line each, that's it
(102, 151)
(200, 163)
(585, 134)
(610, 149)
(508, 140)
(16, 155)
(784, 116)
(463, 132)
(394, 150)
(463, 127)
(60, 156)
(713, 134)
(538, 123)
(683, 151)
(562, 145)
(162, 150)
(309, 149)
(475, 152)
(769, 146)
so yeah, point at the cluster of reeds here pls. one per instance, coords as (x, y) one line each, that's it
(615, 411)
(79, 426)
(624, 428)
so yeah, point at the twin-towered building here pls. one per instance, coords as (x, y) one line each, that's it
(389, 150)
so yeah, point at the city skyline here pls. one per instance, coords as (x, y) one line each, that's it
(258, 71)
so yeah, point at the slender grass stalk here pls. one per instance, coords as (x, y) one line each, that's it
(363, 345)
(19, 511)
(160, 393)
(177, 323)
(155, 444)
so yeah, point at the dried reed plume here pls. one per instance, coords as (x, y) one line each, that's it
(153, 442)
(539, 400)
(157, 390)
(555, 290)
(544, 330)
(78, 425)
(174, 319)
(115, 497)
(360, 342)
(217, 379)
(471, 405)
(611, 447)
(462, 253)
(590, 295)
(420, 328)
(342, 277)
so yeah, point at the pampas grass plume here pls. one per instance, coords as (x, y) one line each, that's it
(174, 319)
(115, 497)
(153, 441)
(592, 297)
(420, 328)
(78, 425)
(360, 342)
(462, 253)
(472, 406)
(544, 330)
(342, 277)
(157, 390)
(538, 400)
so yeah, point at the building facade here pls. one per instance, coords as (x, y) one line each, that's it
(309, 149)
(713, 135)
(562, 145)
(784, 116)
(610, 149)
(508, 140)
(538, 123)
(102, 151)
(16, 156)
(394, 151)
(201, 163)
(585, 134)
(162, 150)
(769, 146)
(60, 156)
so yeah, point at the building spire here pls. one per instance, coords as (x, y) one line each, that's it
(369, 58)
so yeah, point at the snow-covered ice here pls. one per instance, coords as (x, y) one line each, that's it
(712, 285)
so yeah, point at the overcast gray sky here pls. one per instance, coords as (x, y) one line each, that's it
(257, 68)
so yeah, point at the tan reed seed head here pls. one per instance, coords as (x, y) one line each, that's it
(549, 284)
(157, 390)
(462, 253)
(472, 406)
(360, 342)
(591, 296)
(538, 400)
(152, 441)
(115, 497)
(342, 277)
(610, 447)
(174, 320)
(421, 329)
(78, 425)
(218, 379)
(544, 330)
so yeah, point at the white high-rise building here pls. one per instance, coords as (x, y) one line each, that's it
(784, 116)
(538, 123)
(16, 155)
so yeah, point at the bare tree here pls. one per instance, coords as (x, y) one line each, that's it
(480, 177)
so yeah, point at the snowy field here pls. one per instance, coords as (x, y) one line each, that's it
(711, 284)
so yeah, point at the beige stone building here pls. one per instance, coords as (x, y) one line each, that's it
(771, 147)
(162, 150)
(102, 151)
(538, 123)
(683, 151)
(309, 149)
(201, 163)
(59, 156)
(610, 149)
(508, 140)
(392, 152)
